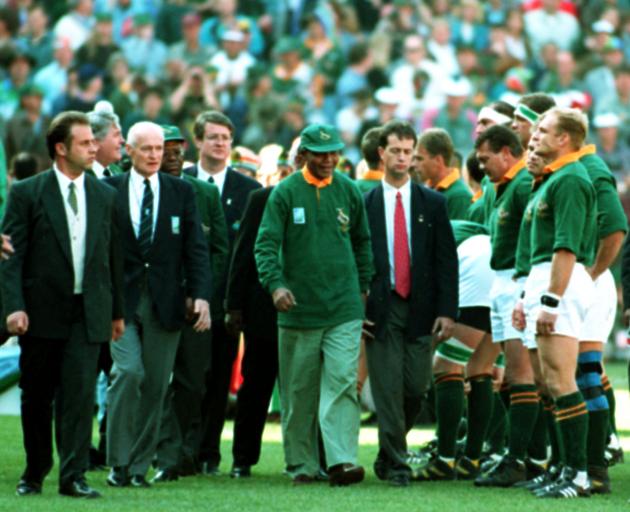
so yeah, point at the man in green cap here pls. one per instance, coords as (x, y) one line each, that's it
(183, 400)
(313, 255)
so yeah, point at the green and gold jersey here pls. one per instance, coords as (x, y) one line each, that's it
(564, 217)
(458, 195)
(522, 260)
(464, 229)
(510, 201)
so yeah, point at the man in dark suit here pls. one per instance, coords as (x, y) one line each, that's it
(213, 133)
(166, 269)
(413, 295)
(183, 401)
(62, 292)
(249, 308)
(109, 142)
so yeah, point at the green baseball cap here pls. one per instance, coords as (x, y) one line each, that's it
(103, 17)
(172, 132)
(142, 18)
(320, 138)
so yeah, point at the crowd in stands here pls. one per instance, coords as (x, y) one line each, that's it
(274, 67)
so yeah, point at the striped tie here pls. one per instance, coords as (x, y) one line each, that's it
(146, 220)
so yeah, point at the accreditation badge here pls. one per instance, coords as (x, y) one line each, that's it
(299, 216)
(175, 225)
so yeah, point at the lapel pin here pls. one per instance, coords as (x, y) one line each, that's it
(420, 218)
(229, 201)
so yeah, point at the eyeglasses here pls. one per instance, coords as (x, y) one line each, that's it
(215, 137)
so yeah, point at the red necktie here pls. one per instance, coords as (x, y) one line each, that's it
(402, 268)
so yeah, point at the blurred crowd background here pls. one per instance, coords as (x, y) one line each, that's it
(274, 66)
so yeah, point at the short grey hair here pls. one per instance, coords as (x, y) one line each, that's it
(142, 128)
(101, 122)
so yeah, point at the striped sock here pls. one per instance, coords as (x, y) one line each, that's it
(612, 403)
(479, 414)
(589, 382)
(557, 449)
(537, 449)
(449, 407)
(523, 414)
(572, 418)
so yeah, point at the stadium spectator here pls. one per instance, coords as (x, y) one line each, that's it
(76, 25)
(26, 130)
(144, 52)
(549, 24)
(188, 51)
(36, 39)
(100, 46)
(19, 68)
(53, 78)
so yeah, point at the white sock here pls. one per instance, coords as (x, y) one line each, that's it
(614, 442)
(581, 479)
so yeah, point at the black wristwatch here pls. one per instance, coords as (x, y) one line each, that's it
(549, 301)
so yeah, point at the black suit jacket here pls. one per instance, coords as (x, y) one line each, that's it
(434, 268)
(244, 291)
(236, 189)
(178, 263)
(39, 277)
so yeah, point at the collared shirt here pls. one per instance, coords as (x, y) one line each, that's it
(562, 161)
(311, 179)
(448, 180)
(136, 193)
(219, 177)
(98, 170)
(77, 223)
(512, 172)
(389, 196)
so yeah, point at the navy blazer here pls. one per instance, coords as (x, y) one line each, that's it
(434, 267)
(234, 196)
(244, 291)
(178, 263)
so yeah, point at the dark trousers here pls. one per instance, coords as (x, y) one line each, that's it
(400, 373)
(259, 369)
(214, 404)
(182, 413)
(63, 373)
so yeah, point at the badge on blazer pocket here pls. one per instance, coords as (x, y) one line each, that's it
(175, 225)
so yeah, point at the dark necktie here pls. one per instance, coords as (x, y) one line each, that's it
(72, 198)
(146, 219)
(402, 268)
(106, 172)
(210, 179)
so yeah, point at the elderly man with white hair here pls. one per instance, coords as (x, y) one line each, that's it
(167, 282)
(106, 128)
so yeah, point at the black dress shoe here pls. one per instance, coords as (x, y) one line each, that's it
(241, 471)
(165, 475)
(118, 477)
(210, 468)
(139, 481)
(78, 489)
(345, 474)
(28, 488)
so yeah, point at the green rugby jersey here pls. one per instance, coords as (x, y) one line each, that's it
(564, 216)
(464, 229)
(458, 195)
(506, 215)
(522, 260)
(476, 211)
(610, 214)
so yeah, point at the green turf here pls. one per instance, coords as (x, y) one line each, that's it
(269, 490)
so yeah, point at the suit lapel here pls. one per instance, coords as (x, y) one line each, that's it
(161, 224)
(228, 188)
(94, 208)
(418, 226)
(123, 202)
(53, 203)
(380, 227)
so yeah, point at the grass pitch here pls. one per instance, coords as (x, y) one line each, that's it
(269, 490)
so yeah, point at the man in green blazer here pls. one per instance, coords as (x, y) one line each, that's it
(183, 401)
(62, 293)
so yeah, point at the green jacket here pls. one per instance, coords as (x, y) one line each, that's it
(215, 230)
(316, 242)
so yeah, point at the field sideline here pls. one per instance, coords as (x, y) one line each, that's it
(269, 490)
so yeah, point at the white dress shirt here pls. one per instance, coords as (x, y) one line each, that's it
(77, 223)
(219, 178)
(136, 193)
(389, 196)
(98, 170)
